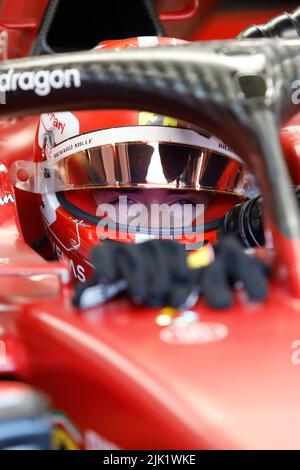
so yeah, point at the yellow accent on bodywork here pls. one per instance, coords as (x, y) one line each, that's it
(62, 441)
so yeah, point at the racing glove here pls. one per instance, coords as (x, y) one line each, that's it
(232, 267)
(156, 271)
(159, 272)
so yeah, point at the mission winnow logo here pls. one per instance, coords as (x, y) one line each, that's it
(41, 81)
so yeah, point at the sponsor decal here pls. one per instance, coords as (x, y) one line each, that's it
(150, 131)
(77, 270)
(79, 145)
(60, 126)
(226, 148)
(184, 327)
(41, 82)
(57, 123)
(6, 199)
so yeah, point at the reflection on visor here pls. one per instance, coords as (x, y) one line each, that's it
(137, 164)
(137, 156)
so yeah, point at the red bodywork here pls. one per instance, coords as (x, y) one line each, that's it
(119, 377)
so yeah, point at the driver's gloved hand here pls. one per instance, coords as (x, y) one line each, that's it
(232, 265)
(155, 271)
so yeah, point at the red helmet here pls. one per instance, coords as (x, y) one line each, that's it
(85, 160)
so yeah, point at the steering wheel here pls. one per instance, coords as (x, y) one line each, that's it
(239, 91)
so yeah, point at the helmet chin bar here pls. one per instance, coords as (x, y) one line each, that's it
(239, 91)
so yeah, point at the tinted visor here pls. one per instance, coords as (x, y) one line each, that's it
(137, 164)
(150, 165)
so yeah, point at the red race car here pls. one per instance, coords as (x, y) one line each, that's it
(119, 375)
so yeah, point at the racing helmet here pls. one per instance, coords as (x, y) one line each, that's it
(84, 161)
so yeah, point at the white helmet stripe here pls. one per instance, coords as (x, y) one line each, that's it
(116, 135)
